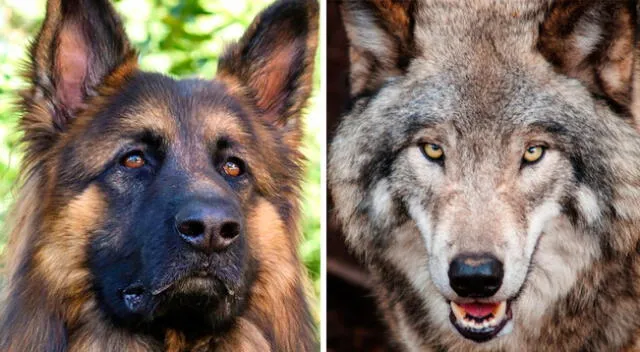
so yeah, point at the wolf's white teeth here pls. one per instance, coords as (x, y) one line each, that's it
(458, 311)
(500, 312)
(476, 325)
(470, 324)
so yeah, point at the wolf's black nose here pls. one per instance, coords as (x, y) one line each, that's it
(208, 228)
(475, 275)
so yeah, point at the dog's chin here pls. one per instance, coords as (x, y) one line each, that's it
(201, 286)
(198, 303)
(481, 321)
(199, 296)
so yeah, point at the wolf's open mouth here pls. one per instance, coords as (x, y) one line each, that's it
(480, 321)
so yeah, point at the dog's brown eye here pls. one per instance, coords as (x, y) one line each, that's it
(433, 151)
(133, 160)
(232, 168)
(533, 154)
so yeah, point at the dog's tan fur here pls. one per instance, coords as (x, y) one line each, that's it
(51, 302)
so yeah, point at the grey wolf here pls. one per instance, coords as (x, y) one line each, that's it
(488, 172)
(158, 214)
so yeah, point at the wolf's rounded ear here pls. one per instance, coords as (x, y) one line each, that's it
(594, 42)
(381, 40)
(80, 43)
(273, 61)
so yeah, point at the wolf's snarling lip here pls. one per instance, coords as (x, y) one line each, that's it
(478, 321)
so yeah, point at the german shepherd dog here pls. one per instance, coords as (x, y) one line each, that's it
(158, 214)
(488, 172)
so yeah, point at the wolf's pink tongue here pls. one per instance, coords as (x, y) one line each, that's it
(479, 310)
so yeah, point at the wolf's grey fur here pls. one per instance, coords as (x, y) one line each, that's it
(484, 80)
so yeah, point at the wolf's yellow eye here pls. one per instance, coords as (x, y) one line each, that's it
(533, 153)
(232, 168)
(133, 160)
(433, 151)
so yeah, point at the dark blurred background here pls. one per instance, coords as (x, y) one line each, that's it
(353, 322)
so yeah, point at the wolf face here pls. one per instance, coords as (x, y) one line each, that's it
(483, 185)
(474, 175)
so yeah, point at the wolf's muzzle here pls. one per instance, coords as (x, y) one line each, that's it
(477, 276)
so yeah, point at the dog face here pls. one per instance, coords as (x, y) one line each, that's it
(163, 197)
(179, 177)
(475, 160)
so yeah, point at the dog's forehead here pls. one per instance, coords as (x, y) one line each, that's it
(176, 109)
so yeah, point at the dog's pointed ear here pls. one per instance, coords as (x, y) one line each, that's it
(381, 40)
(594, 42)
(81, 42)
(273, 61)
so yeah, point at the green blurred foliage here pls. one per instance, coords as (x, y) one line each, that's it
(177, 37)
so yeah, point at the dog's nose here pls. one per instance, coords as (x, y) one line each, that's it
(475, 275)
(208, 228)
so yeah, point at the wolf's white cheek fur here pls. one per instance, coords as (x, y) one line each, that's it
(410, 256)
(380, 198)
(588, 203)
(539, 218)
(423, 221)
(520, 247)
(563, 252)
(436, 247)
